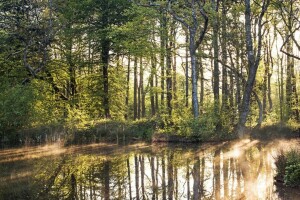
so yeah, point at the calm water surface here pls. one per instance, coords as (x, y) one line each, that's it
(232, 170)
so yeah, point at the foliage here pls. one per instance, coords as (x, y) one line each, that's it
(288, 167)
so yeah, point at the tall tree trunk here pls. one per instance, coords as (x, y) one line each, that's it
(253, 61)
(169, 45)
(186, 70)
(174, 63)
(135, 89)
(105, 46)
(201, 77)
(215, 44)
(151, 80)
(225, 94)
(127, 88)
(142, 93)
(163, 35)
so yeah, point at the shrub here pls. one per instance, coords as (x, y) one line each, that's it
(292, 175)
(288, 167)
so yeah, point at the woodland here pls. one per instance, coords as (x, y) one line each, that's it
(200, 69)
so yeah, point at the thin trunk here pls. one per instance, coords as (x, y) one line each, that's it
(186, 70)
(127, 88)
(135, 89)
(174, 63)
(105, 46)
(215, 45)
(169, 45)
(142, 93)
(163, 35)
(151, 80)
(225, 94)
(201, 77)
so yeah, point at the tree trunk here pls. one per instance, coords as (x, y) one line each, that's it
(127, 88)
(135, 89)
(169, 45)
(186, 70)
(105, 46)
(163, 35)
(151, 80)
(215, 45)
(142, 93)
(224, 60)
(252, 62)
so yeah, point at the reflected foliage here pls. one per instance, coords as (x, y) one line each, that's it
(237, 170)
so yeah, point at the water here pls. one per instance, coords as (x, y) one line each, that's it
(231, 170)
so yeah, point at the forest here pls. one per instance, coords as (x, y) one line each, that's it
(192, 69)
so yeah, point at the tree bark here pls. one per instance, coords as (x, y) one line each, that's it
(253, 62)
(135, 89)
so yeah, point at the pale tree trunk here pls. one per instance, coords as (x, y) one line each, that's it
(186, 70)
(151, 80)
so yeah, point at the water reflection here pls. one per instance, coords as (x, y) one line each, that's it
(236, 170)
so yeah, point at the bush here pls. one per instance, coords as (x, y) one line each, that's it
(292, 175)
(288, 167)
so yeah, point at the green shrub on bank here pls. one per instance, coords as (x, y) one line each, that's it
(288, 167)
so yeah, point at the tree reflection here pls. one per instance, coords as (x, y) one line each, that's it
(167, 173)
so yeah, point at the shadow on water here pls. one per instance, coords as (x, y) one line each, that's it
(231, 170)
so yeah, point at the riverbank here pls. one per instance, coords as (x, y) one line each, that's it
(142, 130)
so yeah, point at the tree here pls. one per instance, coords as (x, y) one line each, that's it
(253, 60)
(191, 23)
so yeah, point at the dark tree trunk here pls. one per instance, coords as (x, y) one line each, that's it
(215, 45)
(163, 35)
(253, 62)
(135, 89)
(105, 46)
(169, 45)
(225, 90)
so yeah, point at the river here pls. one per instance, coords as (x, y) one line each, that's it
(229, 170)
